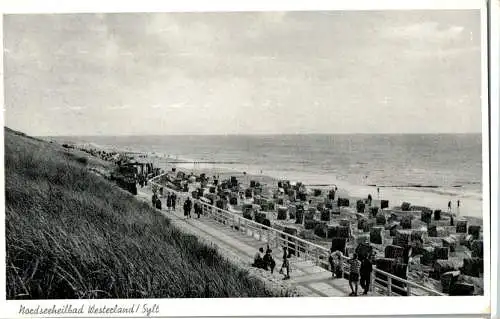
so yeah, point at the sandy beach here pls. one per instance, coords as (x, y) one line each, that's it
(471, 207)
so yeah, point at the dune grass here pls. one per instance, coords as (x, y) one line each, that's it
(72, 234)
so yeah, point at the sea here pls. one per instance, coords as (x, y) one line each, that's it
(448, 165)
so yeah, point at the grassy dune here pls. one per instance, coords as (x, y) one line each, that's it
(72, 234)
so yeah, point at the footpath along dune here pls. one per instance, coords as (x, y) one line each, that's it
(307, 279)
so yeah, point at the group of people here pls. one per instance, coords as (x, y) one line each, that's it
(267, 262)
(171, 200)
(359, 270)
(142, 180)
(458, 207)
(189, 206)
(156, 201)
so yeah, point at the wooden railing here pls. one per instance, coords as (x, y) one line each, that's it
(382, 282)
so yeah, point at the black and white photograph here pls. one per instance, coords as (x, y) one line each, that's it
(244, 154)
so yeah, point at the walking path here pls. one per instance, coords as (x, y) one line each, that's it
(309, 279)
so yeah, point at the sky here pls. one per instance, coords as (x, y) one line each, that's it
(243, 73)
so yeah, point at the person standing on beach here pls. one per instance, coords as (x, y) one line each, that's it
(458, 207)
(378, 192)
(449, 206)
(355, 266)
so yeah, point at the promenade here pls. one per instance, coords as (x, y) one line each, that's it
(239, 239)
(309, 279)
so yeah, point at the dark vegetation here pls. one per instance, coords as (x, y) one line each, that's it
(72, 234)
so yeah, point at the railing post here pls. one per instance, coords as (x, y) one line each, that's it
(389, 286)
(408, 289)
(342, 266)
(372, 281)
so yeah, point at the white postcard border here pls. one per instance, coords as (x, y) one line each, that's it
(285, 306)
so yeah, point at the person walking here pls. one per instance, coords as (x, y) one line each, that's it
(185, 207)
(158, 203)
(337, 264)
(173, 200)
(197, 209)
(331, 261)
(169, 201)
(365, 272)
(354, 269)
(286, 264)
(189, 206)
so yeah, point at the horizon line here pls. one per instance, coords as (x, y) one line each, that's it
(259, 134)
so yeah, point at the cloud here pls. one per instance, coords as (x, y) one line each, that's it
(441, 53)
(176, 105)
(76, 108)
(424, 31)
(237, 65)
(169, 106)
(119, 107)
